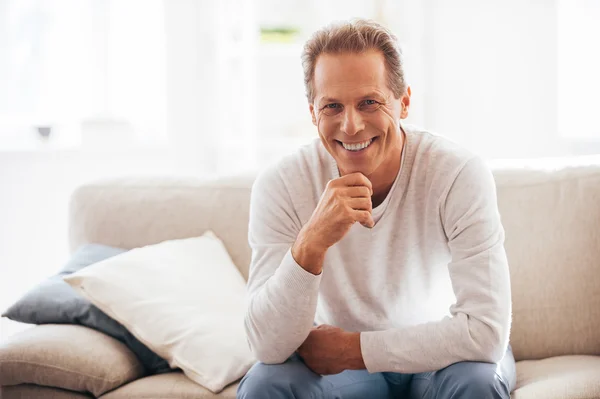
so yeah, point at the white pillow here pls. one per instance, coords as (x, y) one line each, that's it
(184, 299)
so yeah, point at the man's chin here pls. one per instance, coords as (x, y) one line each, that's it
(349, 169)
(347, 166)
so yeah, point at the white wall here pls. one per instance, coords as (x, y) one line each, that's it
(502, 102)
(484, 73)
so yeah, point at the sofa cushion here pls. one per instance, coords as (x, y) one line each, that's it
(184, 299)
(562, 377)
(71, 357)
(29, 391)
(54, 302)
(170, 385)
(551, 215)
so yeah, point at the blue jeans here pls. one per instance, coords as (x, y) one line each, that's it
(463, 380)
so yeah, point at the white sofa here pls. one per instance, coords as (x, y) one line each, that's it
(550, 210)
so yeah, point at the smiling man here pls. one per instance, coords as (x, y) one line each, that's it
(386, 236)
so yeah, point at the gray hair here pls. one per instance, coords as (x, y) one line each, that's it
(355, 36)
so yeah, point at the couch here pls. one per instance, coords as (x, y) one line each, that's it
(550, 210)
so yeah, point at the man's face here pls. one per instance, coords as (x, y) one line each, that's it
(355, 111)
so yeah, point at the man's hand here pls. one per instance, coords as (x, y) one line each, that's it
(346, 200)
(331, 350)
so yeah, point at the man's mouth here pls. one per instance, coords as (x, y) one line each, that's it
(356, 147)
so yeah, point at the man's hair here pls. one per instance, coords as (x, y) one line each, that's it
(355, 36)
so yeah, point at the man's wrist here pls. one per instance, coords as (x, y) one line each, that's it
(308, 255)
(354, 359)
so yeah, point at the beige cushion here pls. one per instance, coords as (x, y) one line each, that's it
(129, 213)
(29, 391)
(170, 385)
(563, 377)
(552, 221)
(67, 356)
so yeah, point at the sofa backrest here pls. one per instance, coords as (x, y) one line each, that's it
(550, 211)
(133, 212)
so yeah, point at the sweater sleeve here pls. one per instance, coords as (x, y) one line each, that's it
(479, 322)
(281, 295)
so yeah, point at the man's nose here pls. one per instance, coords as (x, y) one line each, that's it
(352, 122)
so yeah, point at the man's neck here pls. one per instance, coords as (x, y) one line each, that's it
(383, 178)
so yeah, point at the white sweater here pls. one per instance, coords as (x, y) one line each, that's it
(427, 286)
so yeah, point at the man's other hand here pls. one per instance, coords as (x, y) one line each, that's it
(331, 350)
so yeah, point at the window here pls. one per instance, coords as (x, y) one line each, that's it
(91, 71)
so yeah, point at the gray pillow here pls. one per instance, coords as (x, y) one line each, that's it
(54, 302)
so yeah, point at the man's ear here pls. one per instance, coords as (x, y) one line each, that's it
(311, 108)
(405, 103)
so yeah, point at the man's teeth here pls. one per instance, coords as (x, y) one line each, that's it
(357, 147)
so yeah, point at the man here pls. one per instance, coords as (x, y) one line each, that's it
(387, 236)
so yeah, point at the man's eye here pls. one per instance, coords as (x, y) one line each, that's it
(370, 105)
(332, 109)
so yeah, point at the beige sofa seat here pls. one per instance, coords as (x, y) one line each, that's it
(30, 391)
(573, 377)
(171, 385)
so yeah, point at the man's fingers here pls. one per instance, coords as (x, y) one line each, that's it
(356, 179)
(361, 203)
(365, 218)
(358, 192)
